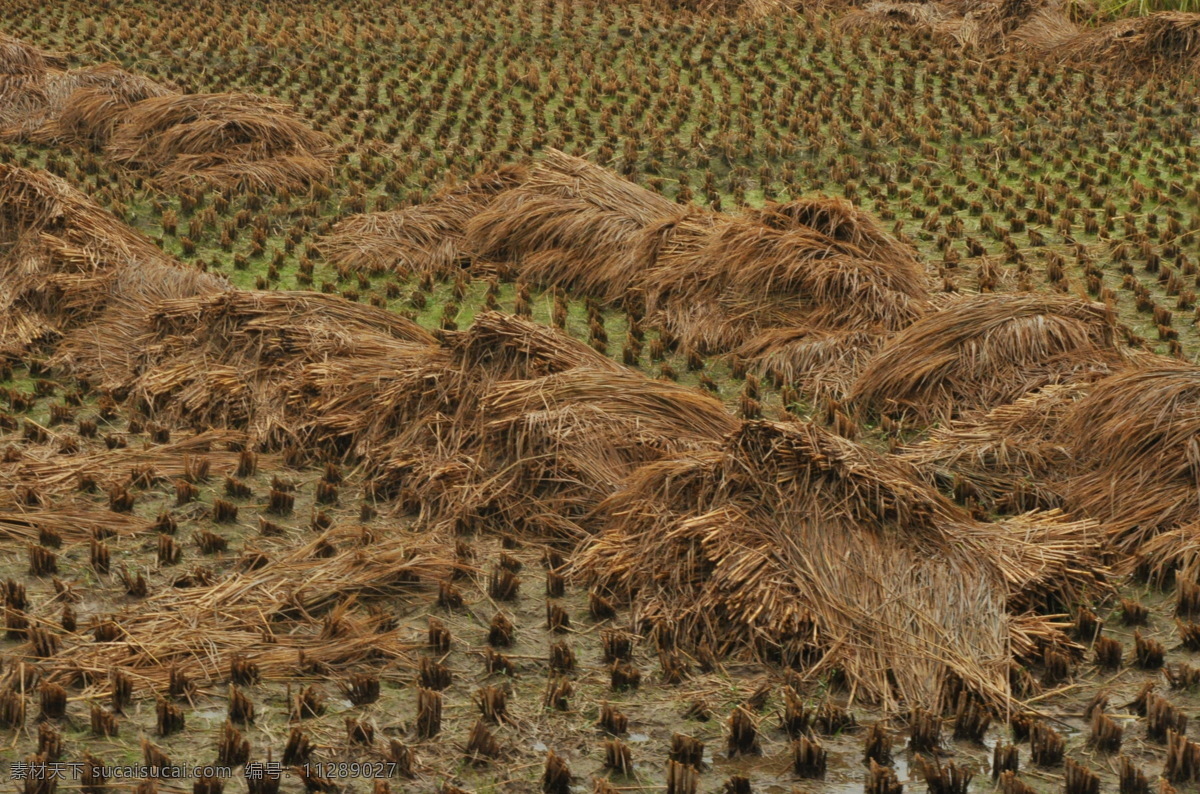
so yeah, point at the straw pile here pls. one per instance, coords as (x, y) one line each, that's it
(1048, 26)
(1015, 24)
(294, 615)
(803, 291)
(568, 224)
(29, 100)
(65, 260)
(235, 360)
(509, 425)
(508, 420)
(744, 277)
(715, 280)
(20, 58)
(24, 96)
(730, 8)
(97, 104)
(816, 551)
(501, 347)
(320, 371)
(243, 140)
(1164, 41)
(979, 352)
(965, 25)
(1006, 460)
(1136, 434)
(988, 25)
(1117, 448)
(237, 140)
(553, 448)
(856, 234)
(426, 239)
(36, 91)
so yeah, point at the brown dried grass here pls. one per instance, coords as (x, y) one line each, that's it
(808, 547)
(35, 89)
(30, 102)
(895, 16)
(714, 281)
(557, 446)
(1167, 41)
(526, 430)
(977, 352)
(856, 233)
(52, 473)
(20, 58)
(718, 286)
(280, 615)
(100, 98)
(1010, 458)
(238, 359)
(569, 224)
(1161, 42)
(67, 261)
(245, 140)
(555, 241)
(1135, 433)
(820, 365)
(992, 26)
(426, 239)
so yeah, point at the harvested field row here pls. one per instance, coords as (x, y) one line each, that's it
(776, 283)
(810, 293)
(305, 507)
(511, 426)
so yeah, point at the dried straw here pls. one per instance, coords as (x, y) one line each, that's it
(292, 613)
(243, 140)
(981, 351)
(20, 58)
(1135, 436)
(1164, 41)
(67, 261)
(101, 97)
(426, 239)
(806, 546)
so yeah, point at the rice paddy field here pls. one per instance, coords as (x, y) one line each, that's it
(562, 397)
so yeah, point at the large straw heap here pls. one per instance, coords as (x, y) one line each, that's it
(426, 239)
(822, 553)
(719, 527)
(226, 139)
(1134, 438)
